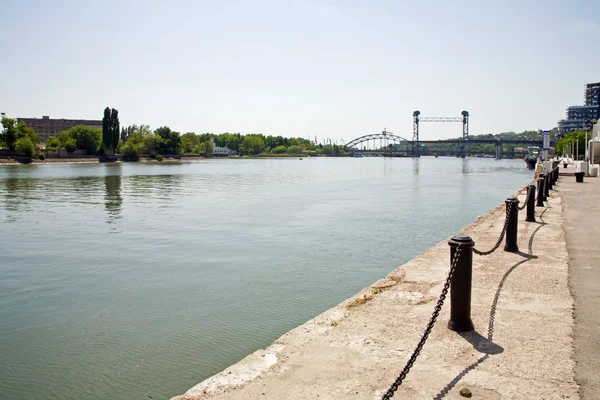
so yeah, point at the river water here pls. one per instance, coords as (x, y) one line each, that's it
(134, 280)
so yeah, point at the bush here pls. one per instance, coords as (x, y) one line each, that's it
(159, 157)
(53, 143)
(25, 147)
(42, 156)
(295, 149)
(70, 145)
(130, 151)
(279, 150)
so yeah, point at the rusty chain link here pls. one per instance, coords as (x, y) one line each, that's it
(436, 312)
(486, 253)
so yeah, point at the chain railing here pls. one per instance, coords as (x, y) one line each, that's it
(436, 312)
(463, 278)
(499, 242)
(525, 201)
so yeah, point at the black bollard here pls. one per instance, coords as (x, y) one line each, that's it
(513, 225)
(550, 180)
(460, 289)
(546, 186)
(555, 175)
(531, 203)
(540, 192)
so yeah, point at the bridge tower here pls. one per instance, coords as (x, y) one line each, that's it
(416, 152)
(415, 141)
(465, 122)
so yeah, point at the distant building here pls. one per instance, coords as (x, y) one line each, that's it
(581, 117)
(46, 126)
(218, 150)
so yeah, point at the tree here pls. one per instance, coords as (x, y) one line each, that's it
(188, 142)
(208, 148)
(9, 133)
(328, 150)
(71, 145)
(279, 150)
(253, 144)
(114, 128)
(86, 138)
(131, 151)
(295, 149)
(23, 130)
(25, 147)
(53, 143)
(110, 130)
(575, 139)
(167, 141)
(106, 132)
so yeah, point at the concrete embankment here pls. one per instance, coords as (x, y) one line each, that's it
(521, 347)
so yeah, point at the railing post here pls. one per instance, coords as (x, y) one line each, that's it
(460, 286)
(540, 192)
(550, 180)
(530, 203)
(513, 225)
(546, 190)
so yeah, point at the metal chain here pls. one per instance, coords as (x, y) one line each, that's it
(486, 253)
(525, 201)
(436, 312)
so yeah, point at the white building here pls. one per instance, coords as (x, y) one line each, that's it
(218, 150)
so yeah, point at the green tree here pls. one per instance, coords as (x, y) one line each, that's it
(208, 148)
(70, 145)
(131, 151)
(25, 147)
(328, 150)
(110, 130)
(279, 150)
(53, 143)
(295, 149)
(9, 133)
(253, 144)
(23, 130)
(106, 132)
(188, 142)
(167, 141)
(115, 128)
(576, 139)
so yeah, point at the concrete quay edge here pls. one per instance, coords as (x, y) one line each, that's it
(522, 346)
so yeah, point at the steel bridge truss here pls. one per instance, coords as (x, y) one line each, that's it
(385, 139)
(464, 118)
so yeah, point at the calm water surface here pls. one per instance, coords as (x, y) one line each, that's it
(134, 280)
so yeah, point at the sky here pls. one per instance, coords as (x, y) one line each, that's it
(330, 69)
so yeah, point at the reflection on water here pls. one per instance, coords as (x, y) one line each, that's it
(17, 194)
(208, 261)
(416, 161)
(113, 199)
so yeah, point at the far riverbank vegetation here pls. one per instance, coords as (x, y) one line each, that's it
(136, 142)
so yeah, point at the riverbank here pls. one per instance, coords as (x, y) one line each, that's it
(90, 160)
(522, 346)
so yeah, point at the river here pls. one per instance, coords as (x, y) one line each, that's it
(139, 280)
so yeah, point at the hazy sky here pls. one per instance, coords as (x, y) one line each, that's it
(335, 69)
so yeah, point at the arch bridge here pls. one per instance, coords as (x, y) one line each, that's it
(384, 141)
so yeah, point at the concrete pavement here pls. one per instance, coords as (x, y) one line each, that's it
(581, 202)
